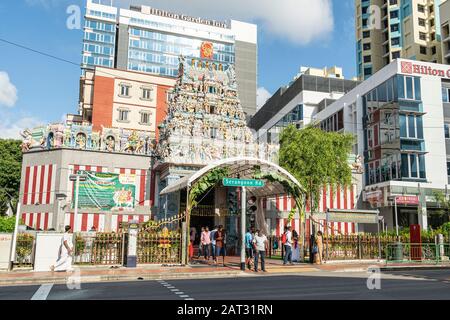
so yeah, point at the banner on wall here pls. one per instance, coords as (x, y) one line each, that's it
(106, 191)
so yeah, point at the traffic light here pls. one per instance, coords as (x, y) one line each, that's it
(251, 210)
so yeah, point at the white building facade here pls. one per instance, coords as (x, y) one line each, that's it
(400, 118)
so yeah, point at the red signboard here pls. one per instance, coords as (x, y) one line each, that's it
(414, 68)
(416, 242)
(412, 200)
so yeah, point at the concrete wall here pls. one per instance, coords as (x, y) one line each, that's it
(246, 74)
(63, 161)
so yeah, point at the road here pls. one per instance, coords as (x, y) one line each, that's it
(424, 284)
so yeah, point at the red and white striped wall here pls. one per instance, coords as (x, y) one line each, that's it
(40, 220)
(85, 221)
(39, 184)
(341, 198)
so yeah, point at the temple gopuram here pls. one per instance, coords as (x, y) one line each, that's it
(205, 123)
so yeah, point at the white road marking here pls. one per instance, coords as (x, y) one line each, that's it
(175, 291)
(43, 292)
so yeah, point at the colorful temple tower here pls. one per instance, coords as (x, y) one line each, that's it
(205, 123)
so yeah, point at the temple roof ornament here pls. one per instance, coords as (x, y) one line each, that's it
(205, 120)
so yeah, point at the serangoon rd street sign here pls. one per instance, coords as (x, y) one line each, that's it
(231, 182)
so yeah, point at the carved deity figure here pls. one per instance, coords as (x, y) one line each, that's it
(81, 140)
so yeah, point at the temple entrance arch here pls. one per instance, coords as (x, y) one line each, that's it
(277, 181)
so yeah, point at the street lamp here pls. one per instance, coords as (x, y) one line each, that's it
(394, 198)
(76, 178)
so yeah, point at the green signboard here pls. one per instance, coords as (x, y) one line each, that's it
(106, 191)
(231, 182)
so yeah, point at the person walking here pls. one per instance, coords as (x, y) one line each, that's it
(206, 243)
(200, 247)
(213, 243)
(288, 246)
(260, 245)
(65, 254)
(249, 236)
(220, 244)
(318, 248)
(192, 236)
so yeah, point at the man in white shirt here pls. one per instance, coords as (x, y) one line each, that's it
(288, 247)
(260, 243)
(64, 262)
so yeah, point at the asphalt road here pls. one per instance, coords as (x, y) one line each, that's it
(425, 284)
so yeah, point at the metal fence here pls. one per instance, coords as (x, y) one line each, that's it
(425, 253)
(157, 248)
(24, 250)
(99, 249)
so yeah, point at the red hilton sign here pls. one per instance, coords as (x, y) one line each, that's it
(412, 68)
(413, 200)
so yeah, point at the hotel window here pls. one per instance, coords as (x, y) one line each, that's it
(448, 168)
(433, 50)
(421, 22)
(366, 46)
(422, 36)
(431, 22)
(423, 50)
(147, 94)
(413, 166)
(123, 115)
(409, 88)
(395, 55)
(145, 118)
(367, 59)
(446, 94)
(395, 27)
(366, 34)
(411, 126)
(125, 90)
(447, 130)
(421, 8)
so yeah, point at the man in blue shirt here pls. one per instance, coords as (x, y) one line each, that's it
(249, 236)
(213, 243)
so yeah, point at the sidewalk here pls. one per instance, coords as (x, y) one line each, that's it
(198, 270)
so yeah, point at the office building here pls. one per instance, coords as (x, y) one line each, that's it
(401, 118)
(445, 30)
(310, 91)
(390, 29)
(145, 39)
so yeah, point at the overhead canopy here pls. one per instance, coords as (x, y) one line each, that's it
(243, 168)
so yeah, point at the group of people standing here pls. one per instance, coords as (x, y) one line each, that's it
(256, 245)
(212, 243)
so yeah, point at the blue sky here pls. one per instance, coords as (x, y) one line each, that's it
(36, 89)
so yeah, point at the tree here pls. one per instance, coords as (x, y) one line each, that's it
(10, 172)
(316, 158)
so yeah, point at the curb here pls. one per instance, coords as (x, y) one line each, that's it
(118, 278)
(407, 268)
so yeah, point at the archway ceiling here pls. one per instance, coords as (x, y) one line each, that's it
(242, 168)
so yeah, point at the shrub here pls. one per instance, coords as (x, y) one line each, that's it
(7, 224)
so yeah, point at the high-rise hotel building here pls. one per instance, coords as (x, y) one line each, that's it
(445, 31)
(390, 29)
(149, 40)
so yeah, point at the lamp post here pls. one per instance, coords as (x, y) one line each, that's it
(12, 255)
(76, 178)
(243, 220)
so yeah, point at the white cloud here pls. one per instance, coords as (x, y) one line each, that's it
(262, 95)
(299, 21)
(8, 92)
(10, 129)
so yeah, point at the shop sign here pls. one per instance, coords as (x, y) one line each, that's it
(409, 200)
(414, 68)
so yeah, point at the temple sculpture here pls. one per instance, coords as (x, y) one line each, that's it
(82, 137)
(205, 121)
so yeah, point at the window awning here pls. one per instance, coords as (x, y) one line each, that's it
(243, 168)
